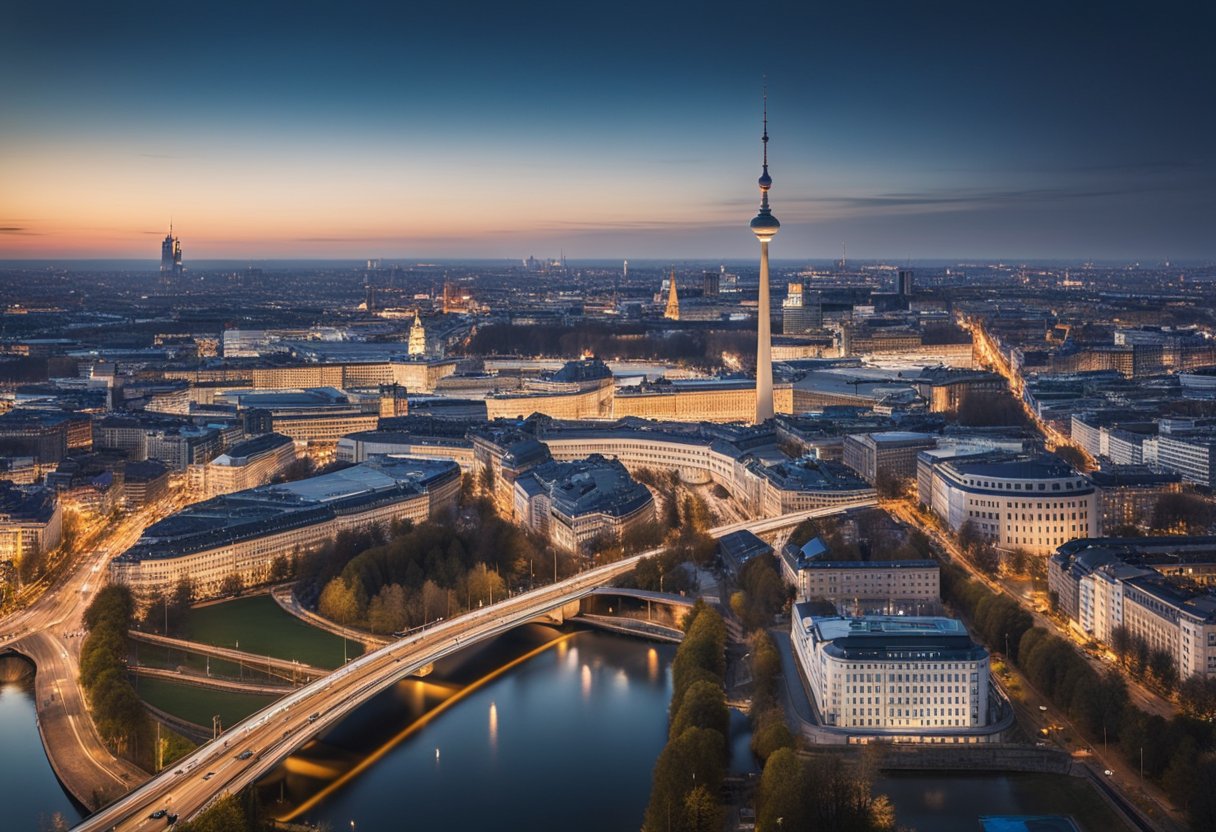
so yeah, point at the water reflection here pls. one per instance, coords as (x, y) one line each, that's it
(29, 791)
(551, 741)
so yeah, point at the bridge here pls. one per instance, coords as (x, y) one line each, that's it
(284, 668)
(284, 726)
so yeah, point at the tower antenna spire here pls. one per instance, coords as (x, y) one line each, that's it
(764, 137)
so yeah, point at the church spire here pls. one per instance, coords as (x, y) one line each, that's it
(673, 301)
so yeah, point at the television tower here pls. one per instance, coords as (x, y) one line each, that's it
(765, 227)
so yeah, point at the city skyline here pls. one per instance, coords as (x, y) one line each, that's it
(1039, 133)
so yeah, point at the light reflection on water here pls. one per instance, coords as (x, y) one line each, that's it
(548, 743)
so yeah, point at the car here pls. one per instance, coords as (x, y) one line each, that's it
(209, 775)
(244, 755)
(314, 717)
(1108, 773)
(158, 814)
(172, 819)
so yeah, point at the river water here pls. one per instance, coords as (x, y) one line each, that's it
(29, 791)
(565, 739)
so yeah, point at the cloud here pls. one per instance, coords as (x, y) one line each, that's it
(18, 231)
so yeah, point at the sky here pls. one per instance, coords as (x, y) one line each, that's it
(414, 130)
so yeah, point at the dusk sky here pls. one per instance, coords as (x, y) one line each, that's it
(609, 130)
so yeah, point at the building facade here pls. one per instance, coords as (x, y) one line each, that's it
(902, 675)
(576, 504)
(890, 453)
(31, 522)
(245, 465)
(1035, 504)
(241, 534)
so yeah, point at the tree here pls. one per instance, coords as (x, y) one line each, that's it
(1074, 456)
(1197, 697)
(338, 602)
(232, 584)
(694, 757)
(434, 601)
(280, 569)
(968, 536)
(701, 811)
(1161, 666)
(387, 611)
(1017, 561)
(781, 801)
(702, 706)
(890, 486)
(484, 587)
(1121, 642)
(1183, 513)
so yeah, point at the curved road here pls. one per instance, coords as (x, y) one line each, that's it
(48, 632)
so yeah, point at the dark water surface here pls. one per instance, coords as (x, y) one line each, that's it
(29, 791)
(567, 739)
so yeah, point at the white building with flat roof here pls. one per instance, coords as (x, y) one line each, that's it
(903, 675)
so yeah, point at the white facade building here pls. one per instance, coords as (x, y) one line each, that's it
(901, 675)
(1017, 503)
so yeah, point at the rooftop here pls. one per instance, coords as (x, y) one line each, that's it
(594, 485)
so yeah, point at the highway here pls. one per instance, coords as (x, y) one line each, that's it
(276, 731)
(49, 633)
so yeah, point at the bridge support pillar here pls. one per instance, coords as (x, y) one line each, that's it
(559, 615)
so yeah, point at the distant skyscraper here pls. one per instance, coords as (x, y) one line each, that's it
(765, 227)
(905, 283)
(625, 271)
(709, 284)
(171, 253)
(673, 301)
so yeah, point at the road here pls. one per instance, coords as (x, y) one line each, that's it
(991, 355)
(1141, 696)
(49, 633)
(274, 732)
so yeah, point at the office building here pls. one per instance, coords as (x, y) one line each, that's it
(244, 465)
(579, 504)
(1030, 503)
(889, 453)
(242, 533)
(1157, 588)
(31, 521)
(903, 675)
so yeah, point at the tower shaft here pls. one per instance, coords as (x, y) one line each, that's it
(764, 345)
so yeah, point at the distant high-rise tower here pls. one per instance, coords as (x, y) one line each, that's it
(673, 301)
(765, 227)
(417, 337)
(625, 271)
(710, 283)
(905, 283)
(171, 253)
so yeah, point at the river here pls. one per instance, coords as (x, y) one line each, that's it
(29, 791)
(537, 744)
